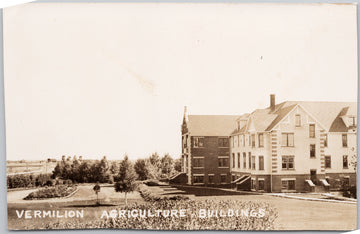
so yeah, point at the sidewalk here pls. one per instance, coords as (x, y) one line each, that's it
(291, 196)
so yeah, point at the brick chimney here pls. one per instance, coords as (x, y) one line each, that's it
(272, 102)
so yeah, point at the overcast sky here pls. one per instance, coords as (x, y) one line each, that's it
(97, 79)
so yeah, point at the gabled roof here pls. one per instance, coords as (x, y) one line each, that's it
(211, 125)
(327, 113)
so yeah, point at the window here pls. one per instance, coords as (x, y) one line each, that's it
(253, 184)
(261, 162)
(287, 163)
(233, 160)
(222, 178)
(345, 161)
(211, 179)
(249, 140)
(249, 160)
(297, 120)
(287, 139)
(344, 140)
(244, 160)
(327, 161)
(223, 161)
(312, 130)
(238, 137)
(198, 142)
(346, 181)
(261, 184)
(252, 140)
(233, 177)
(353, 121)
(198, 179)
(261, 140)
(243, 140)
(253, 165)
(288, 184)
(198, 162)
(325, 140)
(238, 158)
(312, 151)
(223, 142)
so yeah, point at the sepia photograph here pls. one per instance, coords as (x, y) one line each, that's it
(181, 116)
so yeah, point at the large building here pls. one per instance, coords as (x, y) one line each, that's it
(286, 147)
(295, 146)
(206, 149)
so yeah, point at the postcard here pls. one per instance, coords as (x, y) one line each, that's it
(181, 116)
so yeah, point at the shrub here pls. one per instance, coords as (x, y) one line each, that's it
(51, 192)
(152, 182)
(350, 192)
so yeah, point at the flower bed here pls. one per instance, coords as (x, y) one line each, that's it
(51, 192)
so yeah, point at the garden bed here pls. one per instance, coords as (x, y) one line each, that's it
(57, 191)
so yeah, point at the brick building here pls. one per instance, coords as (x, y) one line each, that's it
(206, 149)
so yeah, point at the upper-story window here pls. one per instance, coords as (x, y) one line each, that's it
(249, 156)
(312, 130)
(198, 142)
(312, 150)
(261, 139)
(344, 140)
(244, 160)
(238, 158)
(243, 140)
(253, 140)
(287, 162)
(261, 162)
(223, 161)
(223, 142)
(345, 162)
(233, 160)
(253, 163)
(327, 161)
(326, 140)
(353, 121)
(297, 120)
(287, 139)
(198, 162)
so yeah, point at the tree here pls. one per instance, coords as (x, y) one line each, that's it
(177, 165)
(167, 166)
(97, 190)
(126, 178)
(141, 169)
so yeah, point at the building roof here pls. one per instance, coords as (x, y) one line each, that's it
(211, 125)
(327, 113)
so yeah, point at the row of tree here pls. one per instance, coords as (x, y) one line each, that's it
(104, 171)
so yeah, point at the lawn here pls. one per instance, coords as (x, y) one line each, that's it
(293, 214)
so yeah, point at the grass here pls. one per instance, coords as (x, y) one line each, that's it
(293, 214)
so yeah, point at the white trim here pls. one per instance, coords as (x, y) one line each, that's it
(223, 156)
(198, 156)
(210, 174)
(288, 178)
(223, 167)
(198, 174)
(261, 178)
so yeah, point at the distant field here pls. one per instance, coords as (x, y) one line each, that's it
(36, 167)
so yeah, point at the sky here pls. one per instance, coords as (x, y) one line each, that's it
(95, 79)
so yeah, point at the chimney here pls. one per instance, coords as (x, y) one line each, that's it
(272, 102)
